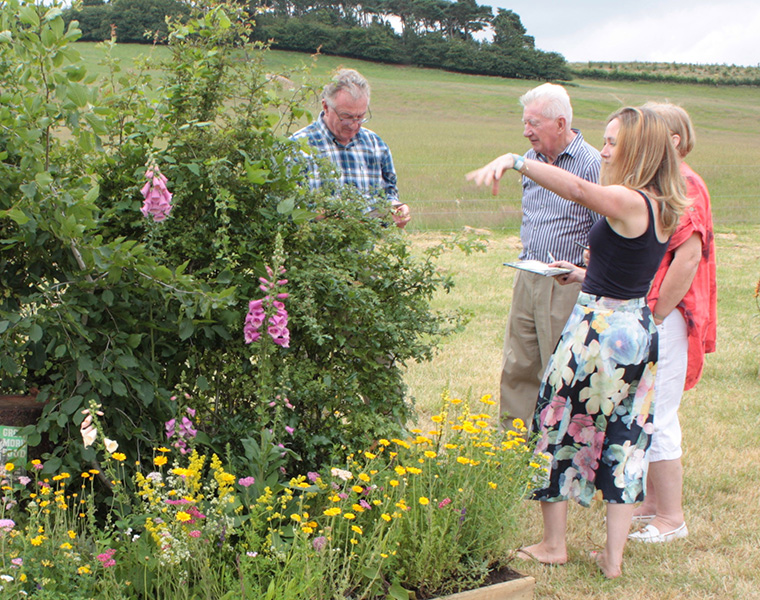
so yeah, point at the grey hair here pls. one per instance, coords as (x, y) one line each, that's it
(347, 80)
(554, 100)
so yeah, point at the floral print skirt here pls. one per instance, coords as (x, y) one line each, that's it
(595, 405)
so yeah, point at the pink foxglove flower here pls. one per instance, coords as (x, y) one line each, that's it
(277, 324)
(157, 196)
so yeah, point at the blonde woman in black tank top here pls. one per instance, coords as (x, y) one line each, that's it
(594, 411)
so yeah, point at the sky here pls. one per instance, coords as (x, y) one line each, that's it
(682, 31)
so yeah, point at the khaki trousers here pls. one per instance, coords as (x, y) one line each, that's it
(540, 308)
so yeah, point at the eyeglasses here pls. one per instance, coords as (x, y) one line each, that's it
(355, 120)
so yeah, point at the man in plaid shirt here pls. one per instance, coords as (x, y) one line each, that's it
(360, 157)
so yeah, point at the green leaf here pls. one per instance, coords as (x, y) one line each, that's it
(17, 215)
(35, 333)
(78, 95)
(202, 383)
(126, 361)
(71, 405)
(302, 215)
(133, 341)
(52, 465)
(186, 329)
(224, 20)
(33, 439)
(255, 175)
(119, 388)
(397, 592)
(194, 169)
(28, 15)
(29, 190)
(84, 364)
(286, 206)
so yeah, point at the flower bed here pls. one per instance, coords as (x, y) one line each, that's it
(405, 517)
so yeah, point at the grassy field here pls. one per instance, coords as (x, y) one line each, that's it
(441, 125)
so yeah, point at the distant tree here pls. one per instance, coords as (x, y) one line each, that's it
(130, 18)
(466, 17)
(136, 18)
(509, 31)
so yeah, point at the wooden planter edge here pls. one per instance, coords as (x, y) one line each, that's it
(515, 589)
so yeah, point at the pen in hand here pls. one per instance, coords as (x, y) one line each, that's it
(551, 256)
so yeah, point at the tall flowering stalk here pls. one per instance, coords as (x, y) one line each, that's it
(269, 312)
(271, 307)
(158, 198)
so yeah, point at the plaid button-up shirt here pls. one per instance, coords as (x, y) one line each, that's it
(365, 162)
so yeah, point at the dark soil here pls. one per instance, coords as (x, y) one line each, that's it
(497, 575)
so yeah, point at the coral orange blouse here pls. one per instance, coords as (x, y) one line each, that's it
(699, 305)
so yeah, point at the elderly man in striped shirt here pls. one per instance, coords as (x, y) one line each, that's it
(360, 157)
(552, 229)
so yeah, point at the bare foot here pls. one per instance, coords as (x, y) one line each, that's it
(540, 553)
(608, 570)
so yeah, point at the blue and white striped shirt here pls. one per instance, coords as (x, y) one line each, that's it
(365, 162)
(553, 224)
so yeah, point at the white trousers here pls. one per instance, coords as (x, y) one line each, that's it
(668, 387)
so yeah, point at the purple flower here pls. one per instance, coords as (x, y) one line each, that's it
(319, 543)
(246, 481)
(278, 316)
(254, 320)
(7, 524)
(312, 476)
(289, 429)
(157, 196)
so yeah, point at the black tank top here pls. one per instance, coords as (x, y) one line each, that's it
(621, 267)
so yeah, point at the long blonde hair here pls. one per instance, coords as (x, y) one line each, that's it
(645, 159)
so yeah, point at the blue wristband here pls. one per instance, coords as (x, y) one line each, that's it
(519, 162)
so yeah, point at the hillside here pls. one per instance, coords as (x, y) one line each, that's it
(670, 72)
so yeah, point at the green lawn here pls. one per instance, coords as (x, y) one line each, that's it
(441, 125)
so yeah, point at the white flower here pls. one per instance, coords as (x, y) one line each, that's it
(340, 473)
(88, 431)
(6, 577)
(111, 446)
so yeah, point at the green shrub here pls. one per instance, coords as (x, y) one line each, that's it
(104, 305)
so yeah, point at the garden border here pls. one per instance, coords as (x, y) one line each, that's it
(514, 589)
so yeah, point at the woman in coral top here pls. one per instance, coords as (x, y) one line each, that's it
(683, 304)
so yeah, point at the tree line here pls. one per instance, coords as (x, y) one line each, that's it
(456, 35)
